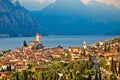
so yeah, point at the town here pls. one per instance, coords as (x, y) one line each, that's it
(99, 61)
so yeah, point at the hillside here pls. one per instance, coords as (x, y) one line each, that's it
(16, 21)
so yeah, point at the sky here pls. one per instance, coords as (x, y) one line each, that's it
(40, 4)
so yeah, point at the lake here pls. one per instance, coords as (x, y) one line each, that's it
(54, 40)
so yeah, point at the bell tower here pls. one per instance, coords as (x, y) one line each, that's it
(38, 38)
(84, 45)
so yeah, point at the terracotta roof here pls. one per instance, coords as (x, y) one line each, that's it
(75, 47)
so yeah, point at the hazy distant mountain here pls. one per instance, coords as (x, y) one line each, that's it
(15, 20)
(73, 17)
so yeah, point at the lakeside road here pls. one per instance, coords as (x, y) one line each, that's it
(103, 71)
(107, 73)
(95, 62)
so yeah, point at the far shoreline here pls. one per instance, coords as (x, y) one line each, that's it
(55, 35)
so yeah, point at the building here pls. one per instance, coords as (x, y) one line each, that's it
(76, 49)
(84, 45)
(38, 38)
(34, 45)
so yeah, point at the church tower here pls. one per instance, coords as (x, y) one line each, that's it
(38, 38)
(84, 45)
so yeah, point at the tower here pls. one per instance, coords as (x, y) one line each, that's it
(84, 45)
(38, 38)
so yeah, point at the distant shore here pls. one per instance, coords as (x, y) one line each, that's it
(4, 35)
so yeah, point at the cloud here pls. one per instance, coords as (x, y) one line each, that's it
(40, 4)
(35, 4)
(85, 1)
(115, 3)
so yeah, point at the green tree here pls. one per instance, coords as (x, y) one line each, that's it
(70, 75)
(112, 66)
(113, 77)
(108, 49)
(24, 44)
(119, 68)
(115, 66)
(17, 75)
(90, 62)
(43, 76)
(89, 76)
(100, 77)
(25, 75)
(105, 47)
(13, 77)
(56, 76)
(96, 75)
(9, 68)
(118, 49)
(102, 62)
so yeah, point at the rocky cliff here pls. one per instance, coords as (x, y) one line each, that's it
(16, 21)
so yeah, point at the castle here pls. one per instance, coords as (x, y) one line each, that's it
(34, 45)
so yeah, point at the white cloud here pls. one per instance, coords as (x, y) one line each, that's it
(35, 4)
(116, 3)
(85, 1)
(40, 4)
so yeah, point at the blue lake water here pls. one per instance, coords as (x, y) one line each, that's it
(53, 40)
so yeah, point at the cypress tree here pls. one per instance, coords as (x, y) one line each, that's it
(9, 67)
(118, 49)
(43, 76)
(71, 76)
(105, 47)
(56, 76)
(87, 66)
(24, 44)
(89, 76)
(108, 49)
(96, 75)
(17, 75)
(25, 75)
(115, 66)
(90, 62)
(100, 77)
(112, 65)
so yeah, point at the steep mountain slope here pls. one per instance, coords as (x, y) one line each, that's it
(15, 20)
(73, 17)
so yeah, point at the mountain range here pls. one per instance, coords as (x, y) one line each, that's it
(16, 21)
(61, 17)
(74, 17)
